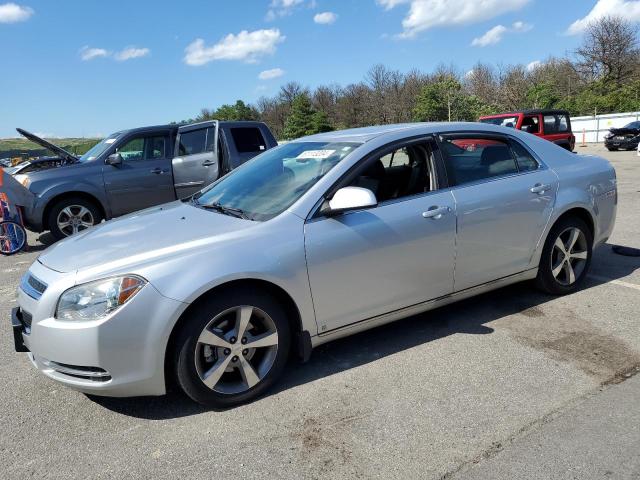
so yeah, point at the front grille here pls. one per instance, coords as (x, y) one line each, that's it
(32, 286)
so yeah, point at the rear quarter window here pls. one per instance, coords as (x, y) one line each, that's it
(248, 140)
(555, 124)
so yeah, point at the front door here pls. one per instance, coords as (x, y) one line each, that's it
(504, 199)
(366, 263)
(195, 164)
(144, 178)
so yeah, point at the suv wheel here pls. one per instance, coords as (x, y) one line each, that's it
(566, 257)
(233, 348)
(72, 215)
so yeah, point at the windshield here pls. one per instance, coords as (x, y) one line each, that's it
(510, 122)
(271, 182)
(633, 126)
(99, 148)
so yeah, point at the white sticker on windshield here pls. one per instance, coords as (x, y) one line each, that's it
(110, 140)
(316, 154)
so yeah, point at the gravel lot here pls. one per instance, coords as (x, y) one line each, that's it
(469, 390)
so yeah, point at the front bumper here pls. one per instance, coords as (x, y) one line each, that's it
(626, 143)
(121, 355)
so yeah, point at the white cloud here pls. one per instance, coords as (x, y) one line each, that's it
(627, 9)
(131, 52)
(325, 18)
(426, 14)
(533, 65)
(245, 46)
(271, 74)
(12, 13)
(282, 8)
(494, 35)
(89, 53)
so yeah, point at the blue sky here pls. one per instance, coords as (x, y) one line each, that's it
(88, 67)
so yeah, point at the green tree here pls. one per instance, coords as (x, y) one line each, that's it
(237, 112)
(300, 121)
(445, 100)
(320, 122)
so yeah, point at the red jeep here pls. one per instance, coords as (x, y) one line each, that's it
(552, 125)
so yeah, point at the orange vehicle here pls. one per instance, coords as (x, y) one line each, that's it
(552, 125)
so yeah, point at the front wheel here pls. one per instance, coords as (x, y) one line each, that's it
(566, 257)
(72, 215)
(232, 348)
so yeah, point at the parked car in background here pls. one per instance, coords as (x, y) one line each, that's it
(625, 138)
(131, 170)
(552, 125)
(314, 240)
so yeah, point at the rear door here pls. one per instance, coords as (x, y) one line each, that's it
(504, 198)
(195, 164)
(144, 178)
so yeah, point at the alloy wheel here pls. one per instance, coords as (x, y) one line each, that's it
(569, 256)
(74, 219)
(236, 349)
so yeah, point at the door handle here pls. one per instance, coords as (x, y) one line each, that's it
(436, 212)
(157, 171)
(539, 188)
(208, 163)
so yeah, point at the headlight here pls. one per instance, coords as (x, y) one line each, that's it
(23, 179)
(94, 300)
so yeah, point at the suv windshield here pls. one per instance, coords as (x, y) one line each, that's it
(632, 126)
(510, 122)
(271, 182)
(99, 148)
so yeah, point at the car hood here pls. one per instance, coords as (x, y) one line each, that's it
(142, 237)
(624, 131)
(48, 145)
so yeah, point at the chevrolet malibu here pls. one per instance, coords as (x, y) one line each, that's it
(314, 240)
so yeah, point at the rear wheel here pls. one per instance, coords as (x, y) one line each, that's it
(566, 257)
(232, 349)
(72, 215)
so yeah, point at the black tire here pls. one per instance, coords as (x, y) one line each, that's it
(612, 149)
(52, 224)
(186, 344)
(546, 281)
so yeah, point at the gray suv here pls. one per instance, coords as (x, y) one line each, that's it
(131, 170)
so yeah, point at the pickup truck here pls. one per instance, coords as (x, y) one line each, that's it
(131, 170)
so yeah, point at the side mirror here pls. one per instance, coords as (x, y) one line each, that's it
(351, 198)
(115, 159)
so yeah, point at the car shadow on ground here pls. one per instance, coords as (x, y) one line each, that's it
(470, 317)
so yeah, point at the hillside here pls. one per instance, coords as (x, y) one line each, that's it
(18, 147)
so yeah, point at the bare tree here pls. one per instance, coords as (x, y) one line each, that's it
(609, 50)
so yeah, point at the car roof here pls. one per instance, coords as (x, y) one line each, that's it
(146, 129)
(533, 111)
(365, 134)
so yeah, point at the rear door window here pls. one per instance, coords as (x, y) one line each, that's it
(470, 158)
(248, 140)
(192, 142)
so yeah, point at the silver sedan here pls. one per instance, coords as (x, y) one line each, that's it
(311, 241)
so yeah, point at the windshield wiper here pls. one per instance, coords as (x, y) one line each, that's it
(235, 212)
